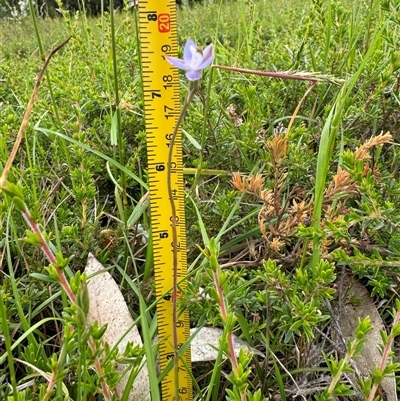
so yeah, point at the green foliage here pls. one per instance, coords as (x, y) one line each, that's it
(337, 368)
(308, 202)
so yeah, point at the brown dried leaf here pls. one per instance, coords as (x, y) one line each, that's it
(362, 152)
(255, 183)
(239, 182)
(379, 140)
(237, 120)
(107, 306)
(277, 146)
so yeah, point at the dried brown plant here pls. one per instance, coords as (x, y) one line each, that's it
(281, 216)
(362, 152)
(253, 185)
(277, 147)
(342, 184)
(237, 120)
(238, 182)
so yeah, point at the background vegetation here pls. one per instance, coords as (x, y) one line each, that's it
(315, 203)
(49, 8)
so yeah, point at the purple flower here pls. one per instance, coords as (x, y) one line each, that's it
(194, 60)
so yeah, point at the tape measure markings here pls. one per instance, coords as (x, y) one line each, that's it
(158, 38)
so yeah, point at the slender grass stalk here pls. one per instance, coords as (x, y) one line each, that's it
(155, 394)
(206, 109)
(148, 332)
(42, 55)
(16, 295)
(328, 36)
(247, 26)
(279, 380)
(27, 114)
(7, 342)
(58, 369)
(97, 153)
(117, 112)
(149, 264)
(327, 142)
(34, 182)
(203, 132)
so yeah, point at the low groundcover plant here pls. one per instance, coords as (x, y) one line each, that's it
(291, 169)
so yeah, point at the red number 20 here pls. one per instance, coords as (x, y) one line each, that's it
(164, 23)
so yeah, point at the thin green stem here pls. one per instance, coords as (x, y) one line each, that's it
(185, 107)
(53, 100)
(328, 36)
(199, 169)
(338, 375)
(327, 143)
(117, 109)
(385, 356)
(67, 288)
(203, 134)
(7, 342)
(216, 268)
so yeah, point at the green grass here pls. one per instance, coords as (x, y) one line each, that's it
(309, 203)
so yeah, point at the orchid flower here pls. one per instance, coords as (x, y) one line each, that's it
(194, 60)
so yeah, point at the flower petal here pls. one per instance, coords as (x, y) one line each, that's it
(193, 75)
(182, 64)
(208, 56)
(187, 53)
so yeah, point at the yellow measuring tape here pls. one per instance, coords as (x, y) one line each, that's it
(158, 38)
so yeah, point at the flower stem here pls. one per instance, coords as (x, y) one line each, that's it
(34, 226)
(216, 269)
(283, 75)
(385, 356)
(184, 109)
(199, 169)
(27, 113)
